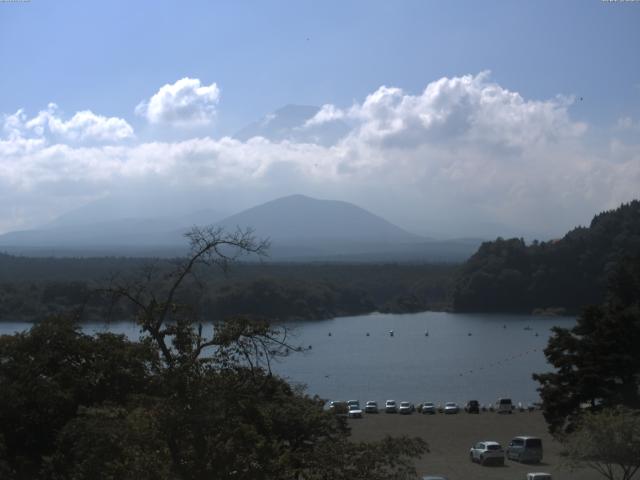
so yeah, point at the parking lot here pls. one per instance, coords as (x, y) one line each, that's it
(451, 436)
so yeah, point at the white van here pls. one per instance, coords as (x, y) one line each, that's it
(504, 405)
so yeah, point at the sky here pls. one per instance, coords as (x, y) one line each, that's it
(463, 118)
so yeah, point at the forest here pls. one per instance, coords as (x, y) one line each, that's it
(557, 276)
(31, 288)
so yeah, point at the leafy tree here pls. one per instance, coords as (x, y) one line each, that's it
(608, 442)
(567, 273)
(597, 362)
(193, 400)
(49, 372)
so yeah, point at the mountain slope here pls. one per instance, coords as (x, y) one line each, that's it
(117, 232)
(299, 219)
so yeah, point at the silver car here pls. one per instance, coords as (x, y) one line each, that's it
(354, 411)
(371, 407)
(525, 449)
(406, 408)
(429, 408)
(451, 407)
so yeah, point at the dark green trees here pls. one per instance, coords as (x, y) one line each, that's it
(598, 361)
(568, 273)
(191, 401)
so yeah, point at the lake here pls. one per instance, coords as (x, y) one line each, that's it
(465, 356)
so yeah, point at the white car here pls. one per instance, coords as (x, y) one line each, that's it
(390, 406)
(406, 408)
(487, 452)
(538, 476)
(354, 402)
(371, 407)
(354, 411)
(429, 408)
(451, 407)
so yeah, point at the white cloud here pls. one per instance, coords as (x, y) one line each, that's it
(183, 103)
(463, 153)
(627, 123)
(328, 113)
(467, 109)
(84, 126)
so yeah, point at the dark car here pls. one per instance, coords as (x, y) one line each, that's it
(472, 406)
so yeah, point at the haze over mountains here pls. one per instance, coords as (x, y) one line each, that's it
(299, 227)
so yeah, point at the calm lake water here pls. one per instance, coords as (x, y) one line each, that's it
(465, 356)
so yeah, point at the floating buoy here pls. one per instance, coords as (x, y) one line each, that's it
(469, 334)
(426, 333)
(367, 334)
(329, 333)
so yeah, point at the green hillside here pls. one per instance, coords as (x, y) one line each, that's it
(565, 274)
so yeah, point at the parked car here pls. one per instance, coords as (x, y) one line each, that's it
(429, 408)
(538, 476)
(486, 452)
(431, 477)
(451, 407)
(390, 406)
(338, 407)
(472, 406)
(354, 411)
(354, 402)
(371, 407)
(504, 405)
(525, 449)
(406, 408)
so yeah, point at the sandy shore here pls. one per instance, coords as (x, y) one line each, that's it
(451, 436)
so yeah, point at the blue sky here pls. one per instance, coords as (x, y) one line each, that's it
(579, 58)
(107, 56)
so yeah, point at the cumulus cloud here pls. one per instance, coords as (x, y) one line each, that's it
(184, 103)
(463, 153)
(468, 109)
(84, 126)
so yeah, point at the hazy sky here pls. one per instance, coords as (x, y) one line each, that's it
(465, 117)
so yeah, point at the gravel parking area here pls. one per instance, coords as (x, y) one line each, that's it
(451, 436)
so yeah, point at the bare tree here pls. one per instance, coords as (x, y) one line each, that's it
(176, 328)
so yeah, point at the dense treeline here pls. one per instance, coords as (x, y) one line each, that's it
(565, 274)
(32, 288)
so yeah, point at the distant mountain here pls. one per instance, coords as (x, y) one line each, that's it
(122, 236)
(289, 123)
(300, 229)
(307, 229)
(299, 219)
(560, 275)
